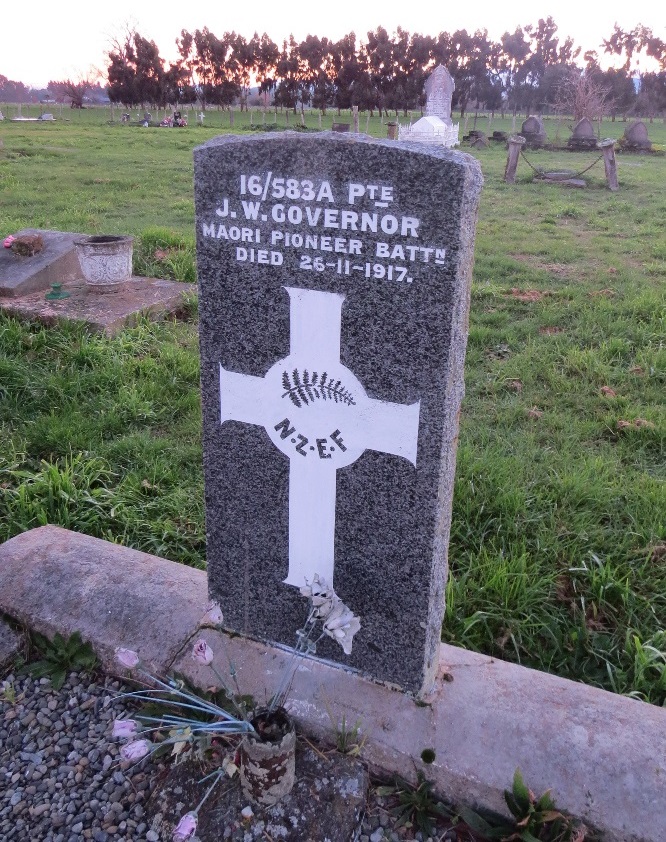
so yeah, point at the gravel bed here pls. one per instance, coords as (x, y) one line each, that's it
(62, 779)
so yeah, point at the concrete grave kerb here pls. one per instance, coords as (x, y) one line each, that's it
(602, 755)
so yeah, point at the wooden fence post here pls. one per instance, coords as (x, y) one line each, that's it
(515, 143)
(607, 147)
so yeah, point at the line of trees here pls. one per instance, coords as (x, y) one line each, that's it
(523, 71)
(527, 70)
(75, 92)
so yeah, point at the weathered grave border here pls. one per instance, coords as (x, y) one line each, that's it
(603, 755)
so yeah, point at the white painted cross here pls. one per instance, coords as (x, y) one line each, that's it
(317, 413)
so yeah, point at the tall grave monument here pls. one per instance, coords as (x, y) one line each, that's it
(436, 126)
(334, 278)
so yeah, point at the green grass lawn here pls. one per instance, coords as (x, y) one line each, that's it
(558, 548)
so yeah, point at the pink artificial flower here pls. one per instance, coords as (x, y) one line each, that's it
(126, 657)
(185, 828)
(124, 728)
(202, 653)
(7, 243)
(213, 616)
(135, 750)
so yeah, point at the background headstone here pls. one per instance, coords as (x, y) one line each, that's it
(436, 126)
(478, 140)
(439, 88)
(636, 136)
(533, 132)
(583, 135)
(334, 276)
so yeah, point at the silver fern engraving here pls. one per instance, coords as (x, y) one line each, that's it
(305, 389)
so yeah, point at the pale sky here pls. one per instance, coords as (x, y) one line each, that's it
(56, 40)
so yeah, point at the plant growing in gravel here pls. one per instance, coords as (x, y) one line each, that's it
(60, 656)
(535, 819)
(416, 805)
(8, 692)
(348, 739)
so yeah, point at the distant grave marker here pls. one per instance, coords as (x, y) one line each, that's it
(534, 132)
(436, 126)
(583, 135)
(636, 137)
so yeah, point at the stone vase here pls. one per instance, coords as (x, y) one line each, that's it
(268, 762)
(105, 260)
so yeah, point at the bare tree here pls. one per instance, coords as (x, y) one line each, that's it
(579, 94)
(74, 89)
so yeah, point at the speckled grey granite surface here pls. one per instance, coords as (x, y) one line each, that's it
(404, 340)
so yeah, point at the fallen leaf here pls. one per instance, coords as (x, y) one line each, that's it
(550, 331)
(529, 295)
(579, 834)
(636, 369)
(658, 552)
(515, 385)
(636, 424)
(443, 673)
(564, 590)
(160, 254)
(607, 293)
(229, 766)
(498, 352)
(594, 622)
(612, 270)
(607, 392)
(534, 413)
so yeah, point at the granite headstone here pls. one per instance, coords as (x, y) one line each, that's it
(583, 136)
(334, 276)
(534, 132)
(636, 136)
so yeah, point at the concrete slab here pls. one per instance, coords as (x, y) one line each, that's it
(11, 643)
(102, 312)
(603, 755)
(56, 263)
(52, 579)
